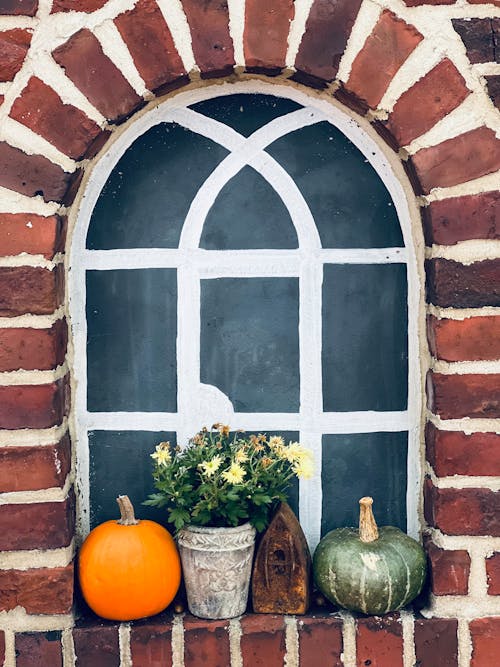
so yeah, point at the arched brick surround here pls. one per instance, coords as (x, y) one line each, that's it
(70, 78)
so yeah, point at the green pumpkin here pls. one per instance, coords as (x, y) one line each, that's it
(369, 570)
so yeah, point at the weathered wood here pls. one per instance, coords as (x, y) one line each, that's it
(281, 581)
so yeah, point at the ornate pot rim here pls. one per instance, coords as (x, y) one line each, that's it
(217, 538)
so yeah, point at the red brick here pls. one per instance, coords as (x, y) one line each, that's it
(33, 406)
(484, 2)
(493, 574)
(18, 7)
(485, 634)
(41, 109)
(33, 175)
(327, 30)
(458, 160)
(417, 3)
(478, 35)
(449, 221)
(43, 649)
(2, 647)
(212, 43)
(320, 640)
(428, 101)
(150, 44)
(206, 643)
(462, 511)
(455, 396)
(27, 289)
(38, 591)
(383, 53)
(97, 646)
(436, 637)
(449, 570)
(33, 349)
(14, 45)
(451, 284)
(493, 87)
(151, 644)
(265, 40)
(30, 233)
(100, 80)
(456, 453)
(379, 642)
(263, 640)
(472, 339)
(33, 468)
(77, 5)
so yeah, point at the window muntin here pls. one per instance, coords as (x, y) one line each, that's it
(195, 265)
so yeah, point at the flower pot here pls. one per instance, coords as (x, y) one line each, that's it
(217, 564)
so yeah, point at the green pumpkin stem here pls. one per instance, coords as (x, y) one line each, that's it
(127, 512)
(368, 531)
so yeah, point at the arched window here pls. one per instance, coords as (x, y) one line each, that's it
(245, 258)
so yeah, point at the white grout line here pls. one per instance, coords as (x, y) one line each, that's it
(461, 314)
(176, 20)
(14, 202)
(235, 642)
(466, 252)
(26, 437)
(25, 259)
(68, 648)
(348, 656)
(488, 183)
(465, 367)
(34, 377)
(465, 424)
(408, 624)
(297, 30)
(10, 649)
(178, 641)
(366, 20)
(36, 558)
(463, 481)
(236, 10)
(17, 620)
(480, 543)
(124, 642)
(32, 321)
(464, 643)
(291, 642)
(55, 494)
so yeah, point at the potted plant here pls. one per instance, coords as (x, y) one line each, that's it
(219, 490)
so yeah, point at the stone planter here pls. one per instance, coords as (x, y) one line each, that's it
(217, 564)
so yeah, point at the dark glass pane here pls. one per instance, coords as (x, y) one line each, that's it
(364, 464)
(245, 113)
(365, 340)
(348, 200)
(131, 340)
(120, 464)
(250, 341)
(149, 192)
(248, 213)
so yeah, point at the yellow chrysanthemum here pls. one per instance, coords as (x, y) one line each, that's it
(295, 452)
(276, 442)
(210, 467)
(162, 454)
(241, 456)
(235, 474)
(304, 468)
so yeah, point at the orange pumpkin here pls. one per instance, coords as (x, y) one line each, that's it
(129, 569)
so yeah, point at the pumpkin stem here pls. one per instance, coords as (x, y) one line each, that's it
(368, 531)
(127, 512)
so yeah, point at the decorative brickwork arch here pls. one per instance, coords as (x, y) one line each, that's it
(69, 80)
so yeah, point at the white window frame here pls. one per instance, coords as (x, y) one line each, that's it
(204, 404)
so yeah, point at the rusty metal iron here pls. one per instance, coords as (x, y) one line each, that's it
(281, 579)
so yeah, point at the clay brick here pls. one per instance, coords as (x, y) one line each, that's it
(473, 339)
(327, 30)
(451, 284)
(97, 645)
(428, 101)
(33, 468)
(265, 40)
(485, 635)
(493, 574)
(493, 86)
(18, 7)
(151, 643)
(320, 640)
(383, 53)
(212, 43)
(456, 453)
(462, 511)
(496, 3)
(458, 160)
(100, 80)
(43, 649)
(150, 44)
(449, 221)
(77, 5)
(449, 570)
(28, 289)
(33, 175)
(30, 233)
(379, 641)
(455, 396)
(14, 45)
(2, 647)
(33, 406)
(33, 349)
(417, 3)
(206, 642)
(478, 35)
(263, 640)
(436, 637)
(41, 109)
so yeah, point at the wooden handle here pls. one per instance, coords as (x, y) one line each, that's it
(368, 531)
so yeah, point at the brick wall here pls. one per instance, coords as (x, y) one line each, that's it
(425, 78)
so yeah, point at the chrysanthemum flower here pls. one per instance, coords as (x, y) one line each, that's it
(210, 467)
(162, 454)
(234, 474)
(241, 456)
(304, 468)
